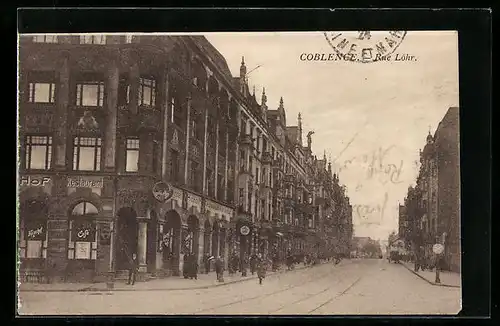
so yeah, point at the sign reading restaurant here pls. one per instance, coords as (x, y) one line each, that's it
(85, 182)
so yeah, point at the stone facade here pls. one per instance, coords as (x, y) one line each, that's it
(103, 119)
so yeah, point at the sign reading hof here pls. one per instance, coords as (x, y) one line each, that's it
(244, 230)
(162, 191)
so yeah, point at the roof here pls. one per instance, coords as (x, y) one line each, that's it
(217, 57)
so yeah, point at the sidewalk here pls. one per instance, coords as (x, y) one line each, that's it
(449, 279)
(204, 281)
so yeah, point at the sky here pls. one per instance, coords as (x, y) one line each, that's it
(362, 114)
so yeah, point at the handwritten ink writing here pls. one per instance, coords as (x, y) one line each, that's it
(367, 211)
(376, 166)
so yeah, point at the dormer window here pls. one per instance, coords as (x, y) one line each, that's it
(92, 39)
(45, 39)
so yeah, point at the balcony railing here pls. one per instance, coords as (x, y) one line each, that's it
(246, 140)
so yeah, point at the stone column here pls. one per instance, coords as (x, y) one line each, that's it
(188, 128)
(236, 189)
(216, 158)
(134, 76)
(165, 154)
(111, 118)
(226, 143)
(201, 253)
(142, 244)
(62, 113)
(205, 143)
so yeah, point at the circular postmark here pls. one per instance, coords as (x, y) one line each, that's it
(365, 46)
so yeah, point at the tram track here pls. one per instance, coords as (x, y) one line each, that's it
(309, 280)
(335, 297)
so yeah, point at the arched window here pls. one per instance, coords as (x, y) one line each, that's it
(83, 236)
(33, 226)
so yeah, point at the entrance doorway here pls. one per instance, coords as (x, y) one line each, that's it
(171, 239)
(152, 240)
(127, 240)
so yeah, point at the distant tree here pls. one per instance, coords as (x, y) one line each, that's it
(372, 249)
(392, 237)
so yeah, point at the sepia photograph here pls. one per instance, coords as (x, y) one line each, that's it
(239, 173)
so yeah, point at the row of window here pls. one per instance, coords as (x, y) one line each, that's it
(84, 39)
(86, 153)
(91, 93)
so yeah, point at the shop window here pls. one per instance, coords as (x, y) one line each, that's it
(41, 92)
(90, 94)
(132, 155)
(87, 154)
(93, 39)
(147, 92)
(82, 243)
(38, 152)
(33, 236)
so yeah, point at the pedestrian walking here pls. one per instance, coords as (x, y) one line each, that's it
(253, 263)
(193, 267)
(206, 261)
(244, 265)
(132, 270)
(219, 269)
(261, 269)
(185, 266)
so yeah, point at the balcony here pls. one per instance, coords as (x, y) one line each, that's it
(243, 213)
(266, 158)
(265, 224)
(148, 119)
(38, 120)
(246, 140)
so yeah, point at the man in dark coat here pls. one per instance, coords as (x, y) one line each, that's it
(253, 263)
(219, 269)
(185, 266)
(132, 270)
(261, 269)
(193, 267)
(207, 263)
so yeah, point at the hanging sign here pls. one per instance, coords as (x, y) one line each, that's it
(244, 230)
(162, 191)
(438, 249)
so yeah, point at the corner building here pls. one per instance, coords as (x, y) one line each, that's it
(109, 123)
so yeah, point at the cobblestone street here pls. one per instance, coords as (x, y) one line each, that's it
(353, 287)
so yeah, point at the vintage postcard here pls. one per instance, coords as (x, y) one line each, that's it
(269, 173)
